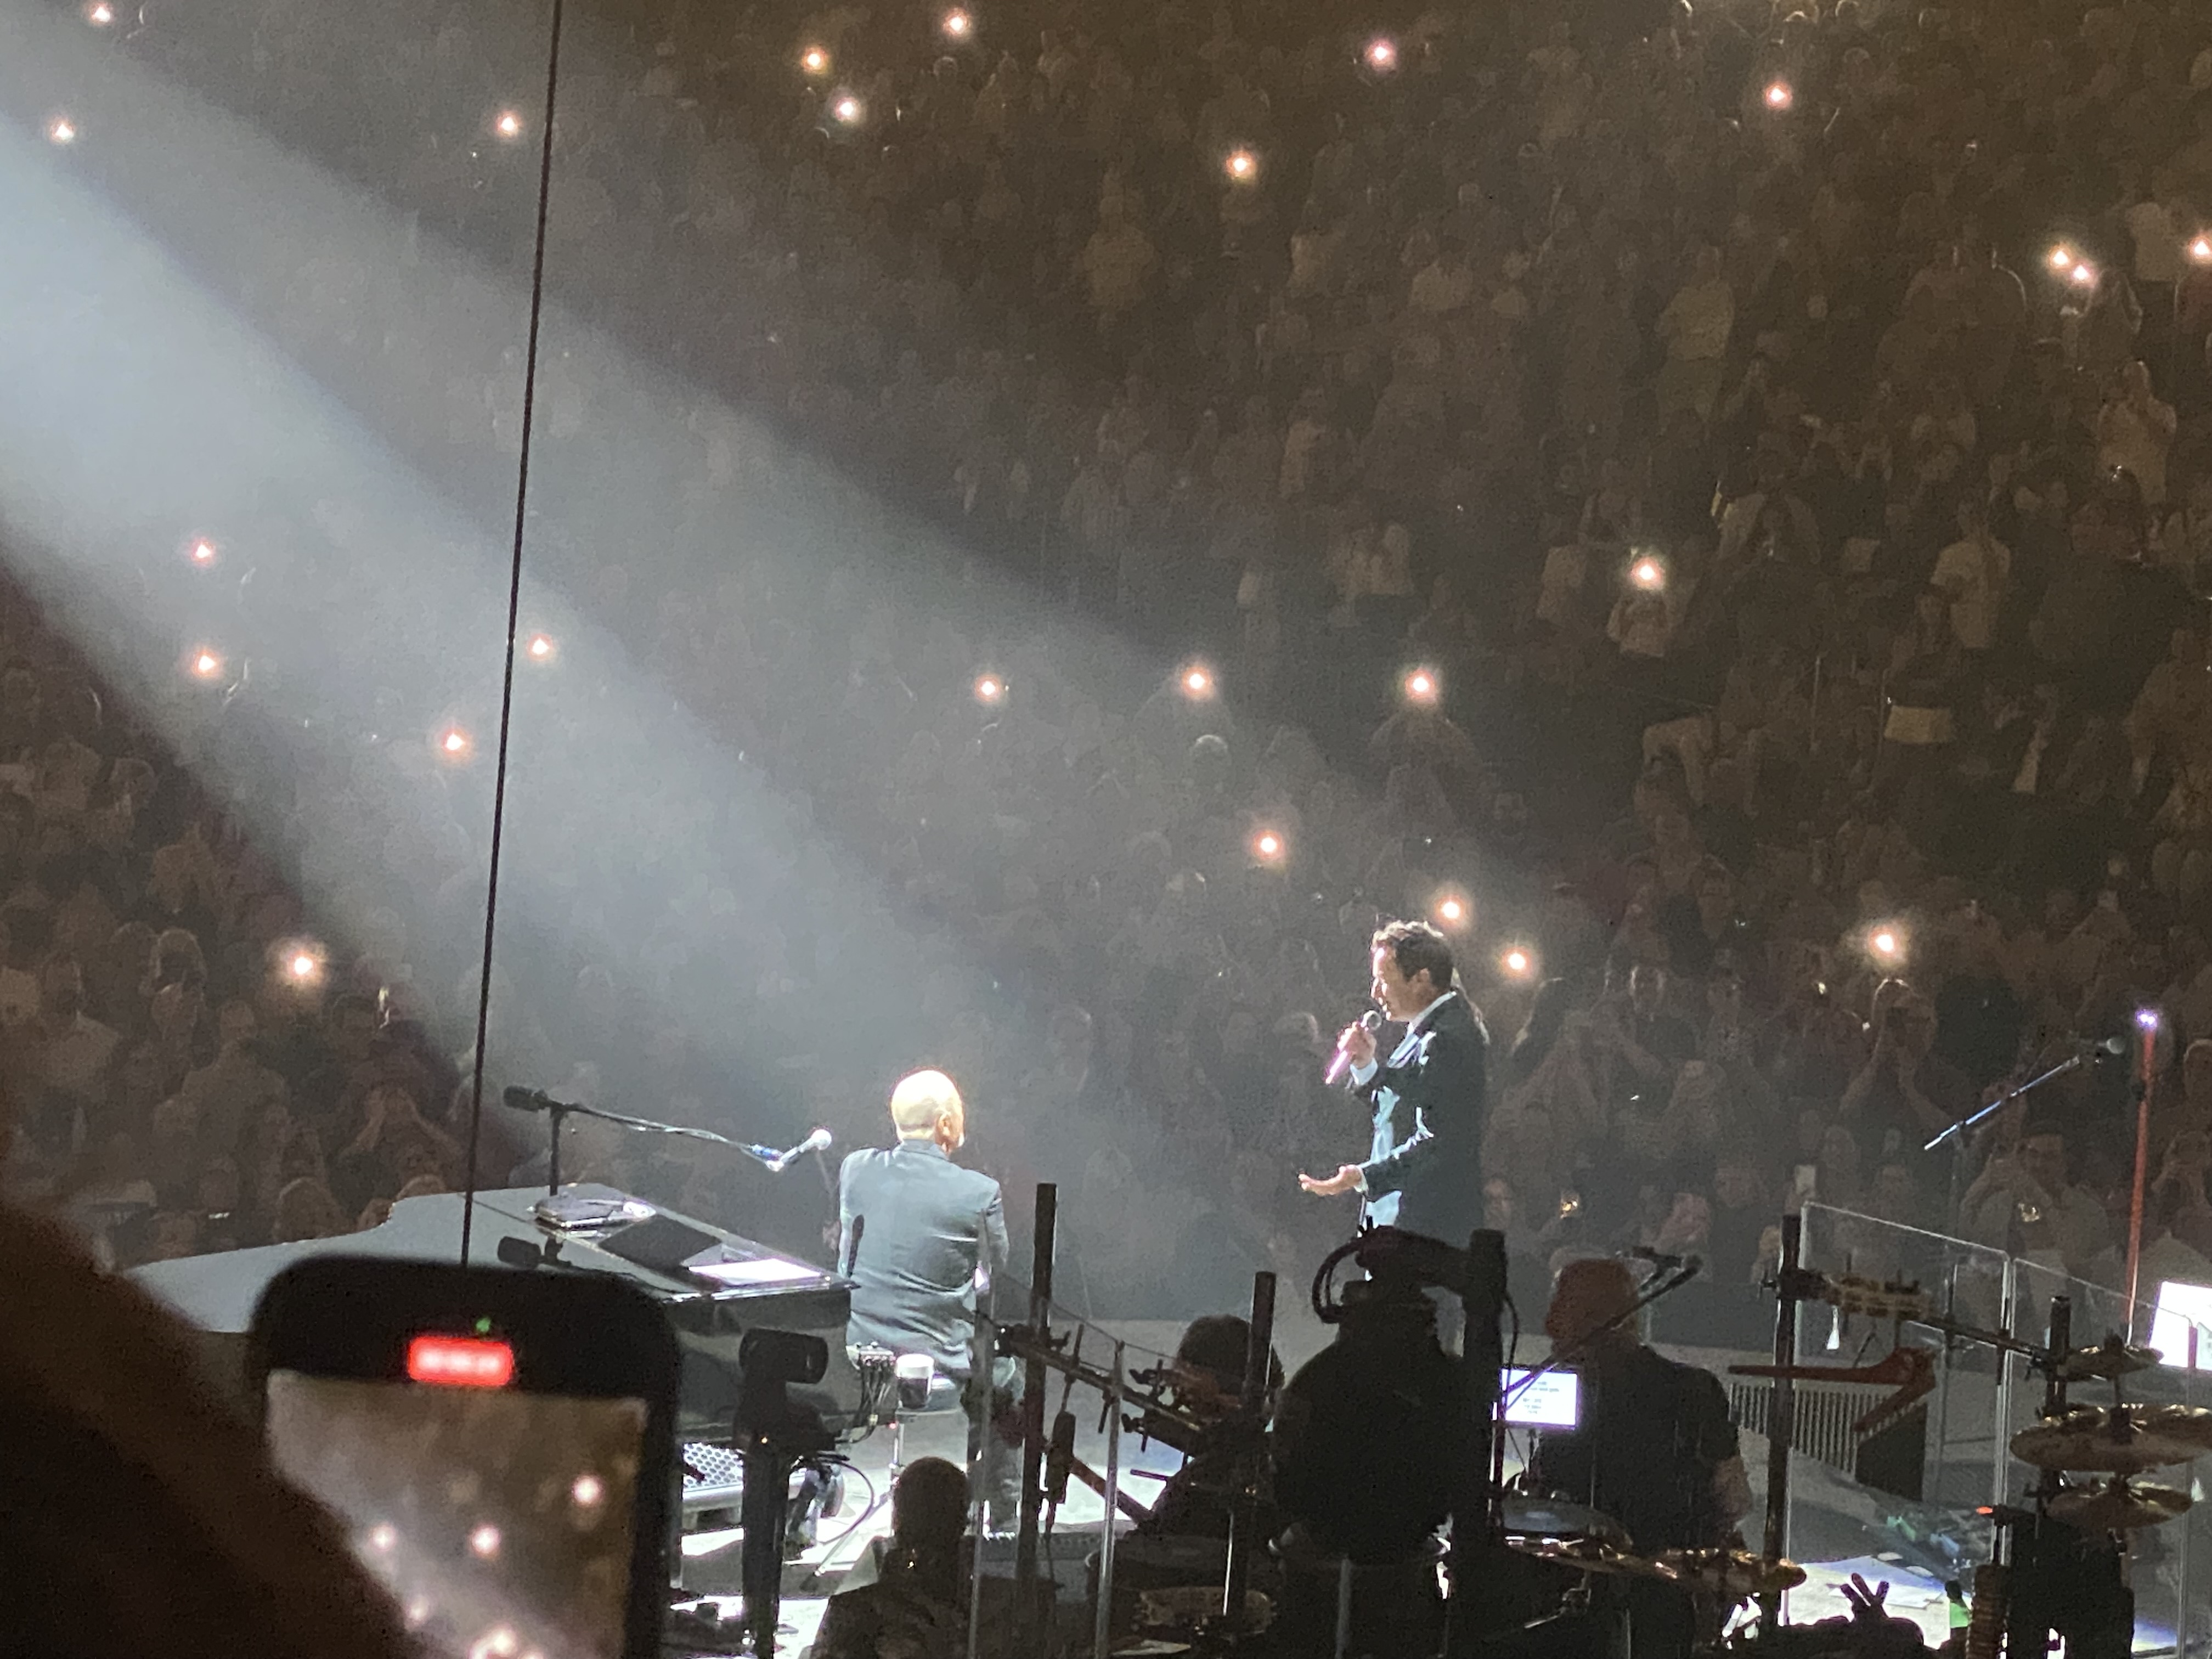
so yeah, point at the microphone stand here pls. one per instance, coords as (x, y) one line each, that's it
(561, 1110)
(2073, 1062)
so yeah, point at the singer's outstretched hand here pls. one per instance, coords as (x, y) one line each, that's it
(1357, 1045)
(1345, 1180)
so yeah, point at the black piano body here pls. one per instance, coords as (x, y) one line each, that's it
(216, 1296)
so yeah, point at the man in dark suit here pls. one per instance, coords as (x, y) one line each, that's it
(1424, 1171)
(916, 1232)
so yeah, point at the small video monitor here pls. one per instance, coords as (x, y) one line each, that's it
(1549, 1400)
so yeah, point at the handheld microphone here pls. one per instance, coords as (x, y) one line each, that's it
(1340, 1062)
(853, 1246)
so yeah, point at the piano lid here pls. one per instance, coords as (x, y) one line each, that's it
(219, 1292)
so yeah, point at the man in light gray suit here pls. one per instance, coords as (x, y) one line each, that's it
(917, 1234)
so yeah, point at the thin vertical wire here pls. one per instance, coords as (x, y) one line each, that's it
(513, 617)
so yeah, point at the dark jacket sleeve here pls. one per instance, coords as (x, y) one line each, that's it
(1444, 1084)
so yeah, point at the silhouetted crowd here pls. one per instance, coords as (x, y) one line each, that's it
(1781, 438)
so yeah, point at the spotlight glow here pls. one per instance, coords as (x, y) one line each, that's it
(2062, 257)
(453, 742)
(100, 14)
(1648, 575)
(205, 663)
(2147, 1019)
(383, 1537)
(485, 1541)
(500, 1642)
(1422, 686)
(1196, 681)
(1242, 167)
(990, 689)
(201, 552)
(957, 25)
(540, 647)
(1887, 944)
(302, 966)
(2084, 274)
(1778, 96)
(588, 1490)
(848, 110)
(1454, 911)
(1381, 54)
(61, 130)
(814, 61)
(2201, 249)
(508, 125)
(1268, 845)
(1517, 961)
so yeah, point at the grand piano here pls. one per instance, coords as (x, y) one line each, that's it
(738, 1285)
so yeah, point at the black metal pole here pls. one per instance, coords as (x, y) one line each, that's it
(1781, 1415)
(1025, 1543)
(554, 1115)
(1244, 1501)
(513, 621)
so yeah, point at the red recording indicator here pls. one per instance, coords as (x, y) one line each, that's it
(460, 1362)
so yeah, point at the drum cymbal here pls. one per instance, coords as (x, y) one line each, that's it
(1555, 1518)
(2110, 1359)
(1590, 1555)
(1737, 1575)
(2116, 1440)
(2118, 1507)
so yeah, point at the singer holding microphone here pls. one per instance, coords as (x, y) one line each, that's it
(1424, 1167)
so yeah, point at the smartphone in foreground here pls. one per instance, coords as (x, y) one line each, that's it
(498, 1445)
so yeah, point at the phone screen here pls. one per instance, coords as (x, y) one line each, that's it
(502, 1520)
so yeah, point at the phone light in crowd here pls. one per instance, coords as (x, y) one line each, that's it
(100, 14)
(990, 689)
(453, 742)
(1518, 962)
(847, 110)
(462, 1362)
(61, 130)
(2201, 249)
(957, 25)
(1778, 96)
(205, 664)
(1648, 575)
(1422, 686)
(815, 60)
(1267, 846)
(1242, 167)
(1887, 945)
(540, 647)
(587, 1491)
(485, 1541)
(1196, 681)
(1381, 54)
